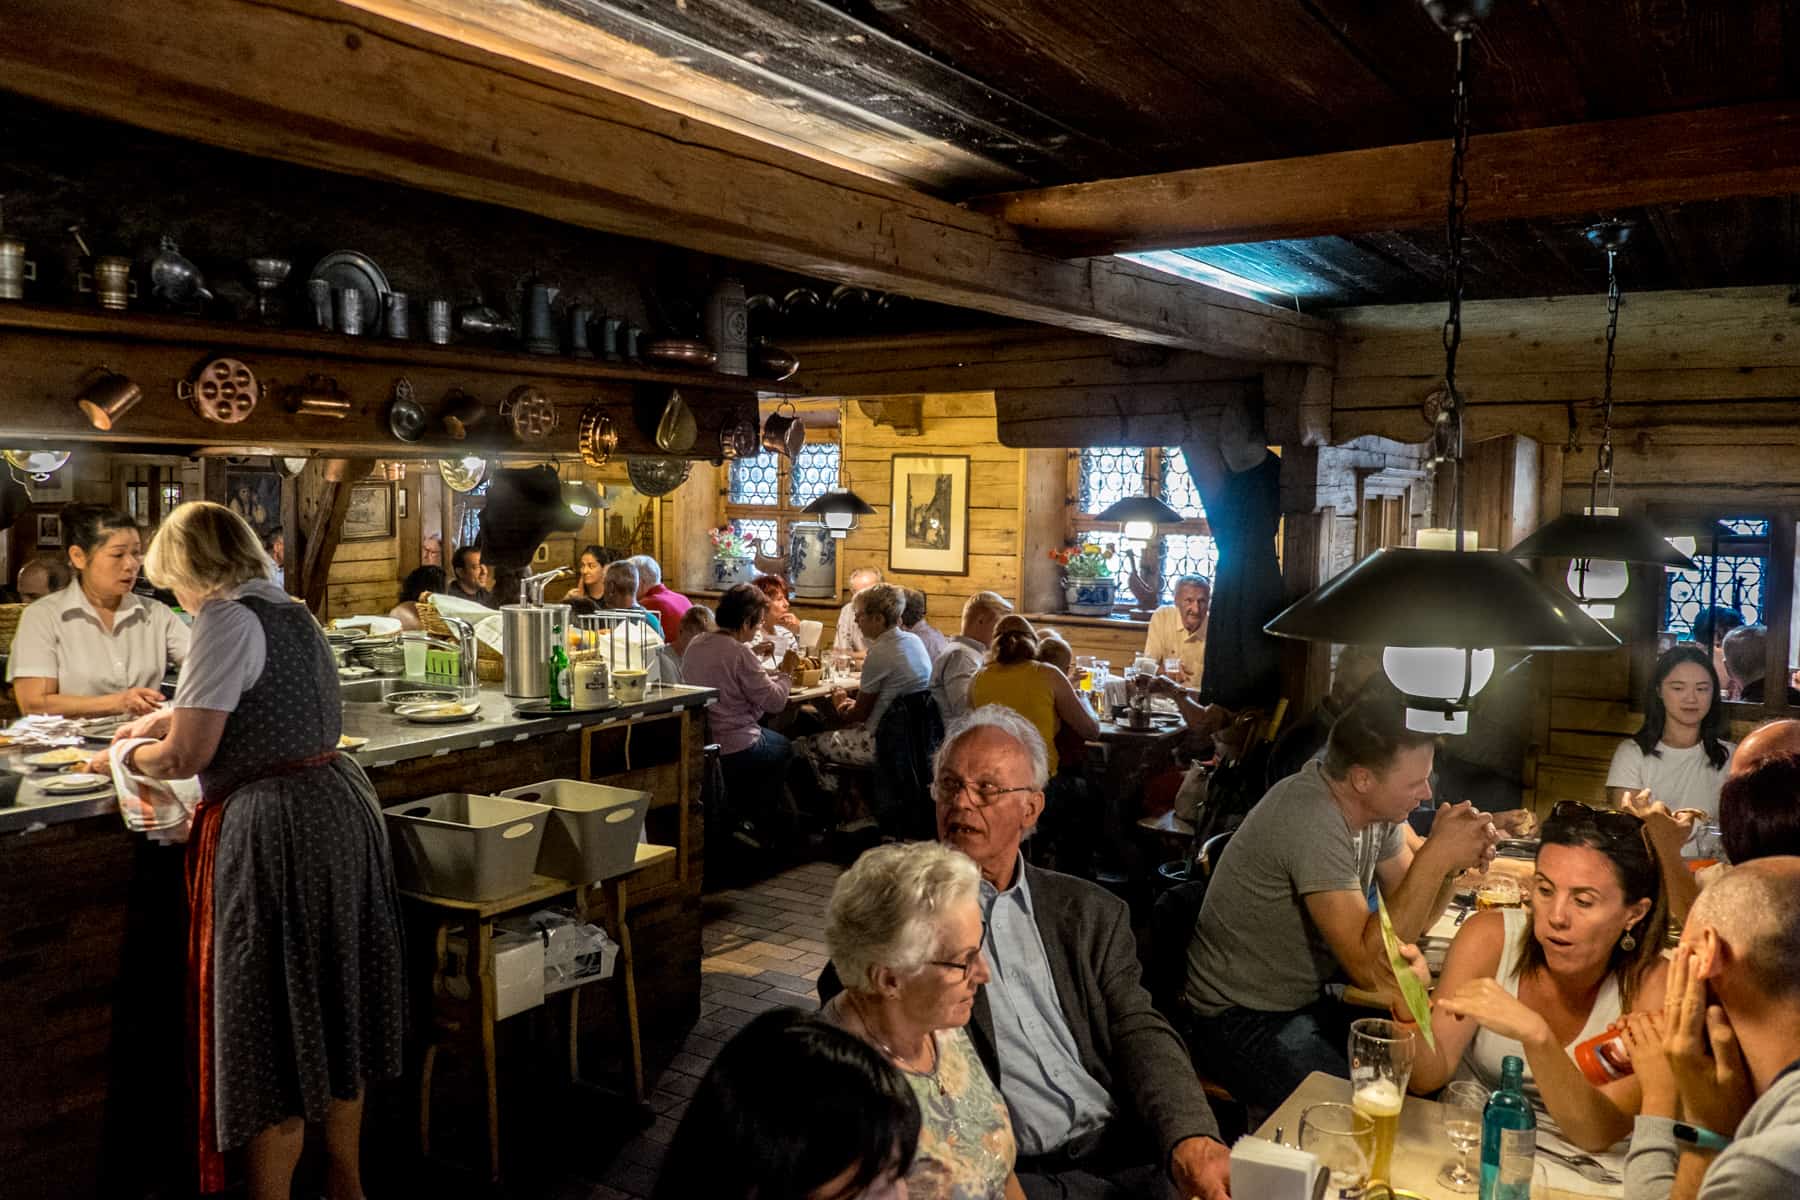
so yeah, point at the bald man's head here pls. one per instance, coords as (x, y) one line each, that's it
(1765, 742)
(1755, 909)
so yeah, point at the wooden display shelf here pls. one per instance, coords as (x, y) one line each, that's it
(51, 353)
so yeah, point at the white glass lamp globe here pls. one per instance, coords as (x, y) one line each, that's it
(1596, 583)
(1436, 672)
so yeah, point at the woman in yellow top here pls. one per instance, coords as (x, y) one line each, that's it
(1037, 691)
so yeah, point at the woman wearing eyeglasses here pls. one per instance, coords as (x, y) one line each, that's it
(1535, 982)
(905, 934)
(1679, 756)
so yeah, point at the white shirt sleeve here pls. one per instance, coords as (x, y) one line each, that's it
(176, 636)
(1627, 769)
(36, 650)
(225, 659)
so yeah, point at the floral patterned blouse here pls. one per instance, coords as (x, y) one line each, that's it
(966, 1148)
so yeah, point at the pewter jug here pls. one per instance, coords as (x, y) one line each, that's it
(540, 330)
(398, 313)
(579, 318)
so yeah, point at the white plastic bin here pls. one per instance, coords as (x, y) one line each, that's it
(464, 846)
(593, 830)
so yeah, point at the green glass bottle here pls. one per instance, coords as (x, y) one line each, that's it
(560, 697)
(1508, 1137)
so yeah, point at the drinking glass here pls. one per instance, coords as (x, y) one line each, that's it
(1381, 1062)
(1464, 1102)
(414, 651)
(1172, 667)
(1344, 1142)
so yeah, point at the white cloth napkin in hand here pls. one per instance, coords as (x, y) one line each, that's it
(163, 809)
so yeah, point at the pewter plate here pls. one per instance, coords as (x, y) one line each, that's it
(353, 269)
(420, 696)
(74, 784)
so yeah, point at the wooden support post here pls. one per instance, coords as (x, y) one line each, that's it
(330, 501)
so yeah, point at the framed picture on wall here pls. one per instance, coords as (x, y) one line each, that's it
(371, 512)
(256, 497)
(928, 529)
(49, 529)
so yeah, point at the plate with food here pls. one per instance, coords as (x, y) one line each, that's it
(57, 759)
(347, 742)
(74, 783)
(439, 712)
(419, 696)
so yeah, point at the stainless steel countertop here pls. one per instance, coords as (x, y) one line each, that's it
(391, 740)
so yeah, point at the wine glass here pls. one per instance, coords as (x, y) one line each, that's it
(1343, 1140)
(1463, 1103)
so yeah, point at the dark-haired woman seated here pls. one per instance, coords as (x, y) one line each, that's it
(794, 1108)
(1535, 982)
(96, 648)
(418, 582)
(1679, 756)
(754, 759)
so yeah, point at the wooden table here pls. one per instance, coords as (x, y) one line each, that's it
(458, 987)
(1420, 1150)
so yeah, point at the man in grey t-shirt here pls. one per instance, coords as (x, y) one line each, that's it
(1287, 911)
(1732, 1024)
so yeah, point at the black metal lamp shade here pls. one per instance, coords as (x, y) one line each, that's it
(1617, 539)
(1141, 508)
(839, 502)
(1462, 600)
(581, 497)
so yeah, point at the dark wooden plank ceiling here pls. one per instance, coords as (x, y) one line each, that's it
(1054, 91)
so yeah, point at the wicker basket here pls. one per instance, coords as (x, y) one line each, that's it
(490, 664)
(9, 624)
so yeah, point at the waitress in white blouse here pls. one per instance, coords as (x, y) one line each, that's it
(95, 648)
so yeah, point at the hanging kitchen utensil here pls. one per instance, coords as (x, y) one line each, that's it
(783, 433)
(772, 362)
(737, 438)
(531, 413)
(108, 398)
(225, 392)
(288, 468)
(318, 396)
(679, 352)
(174, 280)
(461, 413)
(654, 476)
(462, 474)
(406, 416)
(350, 269)
(596, 438)
(40, 465)
(675, 431)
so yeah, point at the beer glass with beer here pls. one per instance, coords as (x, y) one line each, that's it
(1381, 1063)
(1343, 1140)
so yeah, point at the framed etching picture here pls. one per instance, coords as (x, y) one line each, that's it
(928, 530)
(371, 513)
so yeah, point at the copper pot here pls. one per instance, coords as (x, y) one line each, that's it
(783, 433)
(108, 398)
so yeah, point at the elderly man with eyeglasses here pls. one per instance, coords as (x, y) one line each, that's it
(1102, 1096)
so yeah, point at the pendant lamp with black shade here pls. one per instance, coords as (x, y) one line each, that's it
(1599, 541)
(1441, 614)
(839, 509)
(1138, 517)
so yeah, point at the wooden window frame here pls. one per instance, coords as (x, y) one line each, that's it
(785, 513)
(1077, 521)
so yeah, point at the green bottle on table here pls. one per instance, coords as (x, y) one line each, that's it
(1508, 1137)
(560, 697)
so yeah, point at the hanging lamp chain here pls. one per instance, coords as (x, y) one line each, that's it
(1448, 436)
(1604, 462)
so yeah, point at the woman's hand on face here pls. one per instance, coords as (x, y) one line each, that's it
(1643, 1034)
(1493, 1007)
(788, 620)
(139, 700)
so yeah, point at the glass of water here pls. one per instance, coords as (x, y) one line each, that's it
(1343, 1140)
(1463, 1103)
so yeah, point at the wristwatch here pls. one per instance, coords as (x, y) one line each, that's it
(1700, 1137)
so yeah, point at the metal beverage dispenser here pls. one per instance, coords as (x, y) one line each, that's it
(526, 630)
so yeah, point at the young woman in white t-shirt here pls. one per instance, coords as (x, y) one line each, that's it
(1678, 755)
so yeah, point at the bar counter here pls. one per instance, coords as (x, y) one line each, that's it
(91, 914)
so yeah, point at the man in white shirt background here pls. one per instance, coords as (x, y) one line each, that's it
(849, 637)
(963, 655)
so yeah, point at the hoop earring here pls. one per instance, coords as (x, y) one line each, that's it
(1628, 943)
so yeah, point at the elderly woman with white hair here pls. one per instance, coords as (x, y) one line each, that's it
(896, 666)
(669, 605)
(905, 934)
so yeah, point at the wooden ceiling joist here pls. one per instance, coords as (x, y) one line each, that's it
(325, 85)
(1560, 171)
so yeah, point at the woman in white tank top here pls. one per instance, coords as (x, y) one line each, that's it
(1536, 982)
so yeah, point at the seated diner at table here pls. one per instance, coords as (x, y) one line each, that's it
(780, 627)
(39, 577)
(753, 758)
(1679, 755)
(1178, 630)
(896, 666)
(667, 660)
(905, 933)
(96, 648)
(659, 598)
(1534, 982)
(963, 655)
(1014, 678)
(590, 573)
(849, 636)
(1287, 912)
(418, 582)
(1745, 650)
(912, 619)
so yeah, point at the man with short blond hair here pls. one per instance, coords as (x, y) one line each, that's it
(964, 653)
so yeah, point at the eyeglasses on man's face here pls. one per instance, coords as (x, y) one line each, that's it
(945, 789)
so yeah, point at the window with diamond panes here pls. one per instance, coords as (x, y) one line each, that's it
(764, 495)
(1731, 568)
(1105, 474)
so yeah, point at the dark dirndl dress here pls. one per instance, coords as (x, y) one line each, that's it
(298, 959)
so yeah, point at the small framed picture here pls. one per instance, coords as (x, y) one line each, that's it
(400, 503)
(49, 529)
(371, 512)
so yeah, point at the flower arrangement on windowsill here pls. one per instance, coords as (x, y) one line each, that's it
(1089, 586)
(734, 558)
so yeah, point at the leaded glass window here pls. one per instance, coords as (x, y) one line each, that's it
(1105, 474)
(1731, 566)
(764, 495)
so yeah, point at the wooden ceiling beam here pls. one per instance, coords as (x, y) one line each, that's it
(1559, 171)
(327, 85)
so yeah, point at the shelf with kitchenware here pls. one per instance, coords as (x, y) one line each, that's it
(171, 380)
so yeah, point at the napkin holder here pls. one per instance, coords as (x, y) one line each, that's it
(1272, 1171)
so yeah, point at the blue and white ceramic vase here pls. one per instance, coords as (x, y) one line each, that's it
(812, 561)
(1090, 597)
(727, 573)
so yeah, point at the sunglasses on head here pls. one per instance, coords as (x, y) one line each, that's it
(1614, 823)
